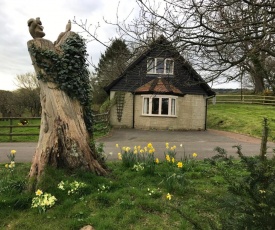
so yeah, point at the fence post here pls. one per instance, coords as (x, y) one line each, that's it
(10, 129)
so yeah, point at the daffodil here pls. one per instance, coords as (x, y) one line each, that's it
(6, 165)
(13, 152)
(167, 157)
(127, 149)
(168, 196)
(173, 160)
(167, 145)
(150, 145)
(119, 156)
(195, 154)
(179, 164)
(117, 145)
(38, 192)
(157, 160)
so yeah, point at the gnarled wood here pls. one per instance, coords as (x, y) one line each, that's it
(64, 139)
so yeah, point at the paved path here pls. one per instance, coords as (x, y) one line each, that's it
(201, 142)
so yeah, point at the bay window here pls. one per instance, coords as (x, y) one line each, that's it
(159, 105)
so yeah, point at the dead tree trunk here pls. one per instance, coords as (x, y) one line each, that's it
(63, 140)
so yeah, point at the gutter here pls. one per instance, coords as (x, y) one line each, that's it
(206, 107)
(134, 98)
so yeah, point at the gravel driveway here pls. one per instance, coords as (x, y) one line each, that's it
(200, 142)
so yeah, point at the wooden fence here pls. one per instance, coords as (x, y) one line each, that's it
(13, 123)
(101, 123)
(245, 99)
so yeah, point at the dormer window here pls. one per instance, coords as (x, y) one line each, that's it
(160, 66)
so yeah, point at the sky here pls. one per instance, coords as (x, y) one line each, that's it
(54, 15)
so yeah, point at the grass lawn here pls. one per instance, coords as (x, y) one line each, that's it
(241, 118)
(126, 199)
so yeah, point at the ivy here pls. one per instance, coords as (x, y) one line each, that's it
(69, 71)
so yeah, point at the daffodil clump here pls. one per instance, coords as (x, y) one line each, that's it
(43, 201)
(71, 187)
(11, 157)
(138, 158)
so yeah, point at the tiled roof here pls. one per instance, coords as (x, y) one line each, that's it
(158, 85)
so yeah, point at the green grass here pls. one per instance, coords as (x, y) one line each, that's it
(241, 118)
(35, 130)
(125, 205)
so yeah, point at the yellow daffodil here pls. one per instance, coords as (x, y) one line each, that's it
(151, 151)
(157, 160)
(179, 164)
(6, 165)
(167, 157)
(119, 156)
(141, 151)
(168, 196)
(13, 152)
(127, 149)
(167, 145)
(123, 148)
(150, 145)
(173, 160)
(117, 145)
(195, 154)
(38, 192)
(135, 151)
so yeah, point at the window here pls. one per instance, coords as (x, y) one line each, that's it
(159, 105)
(160, 66)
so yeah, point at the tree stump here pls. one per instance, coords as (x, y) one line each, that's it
(64, 141)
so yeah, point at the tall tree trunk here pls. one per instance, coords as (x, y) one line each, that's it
(63, 139)
(259, 84)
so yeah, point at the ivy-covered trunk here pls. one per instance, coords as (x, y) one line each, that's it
(66, 124)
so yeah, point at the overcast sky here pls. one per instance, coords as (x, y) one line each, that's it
(54, 14)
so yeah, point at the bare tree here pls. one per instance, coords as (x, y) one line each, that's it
(223, 39)
(27, 81)
(28, 94)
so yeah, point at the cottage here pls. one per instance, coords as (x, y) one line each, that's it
(159, 90)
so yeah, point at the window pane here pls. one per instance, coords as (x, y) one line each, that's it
(150, 65)
(155, 106)
(145, 106)
(173, 106)
(164, 106)
(169, 66)
(160, 65)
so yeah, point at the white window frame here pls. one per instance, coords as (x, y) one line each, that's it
(152, 65)
(147, 104)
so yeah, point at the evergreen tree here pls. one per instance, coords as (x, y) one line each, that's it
(111, 64)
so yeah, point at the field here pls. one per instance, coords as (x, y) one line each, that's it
(241, 118)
